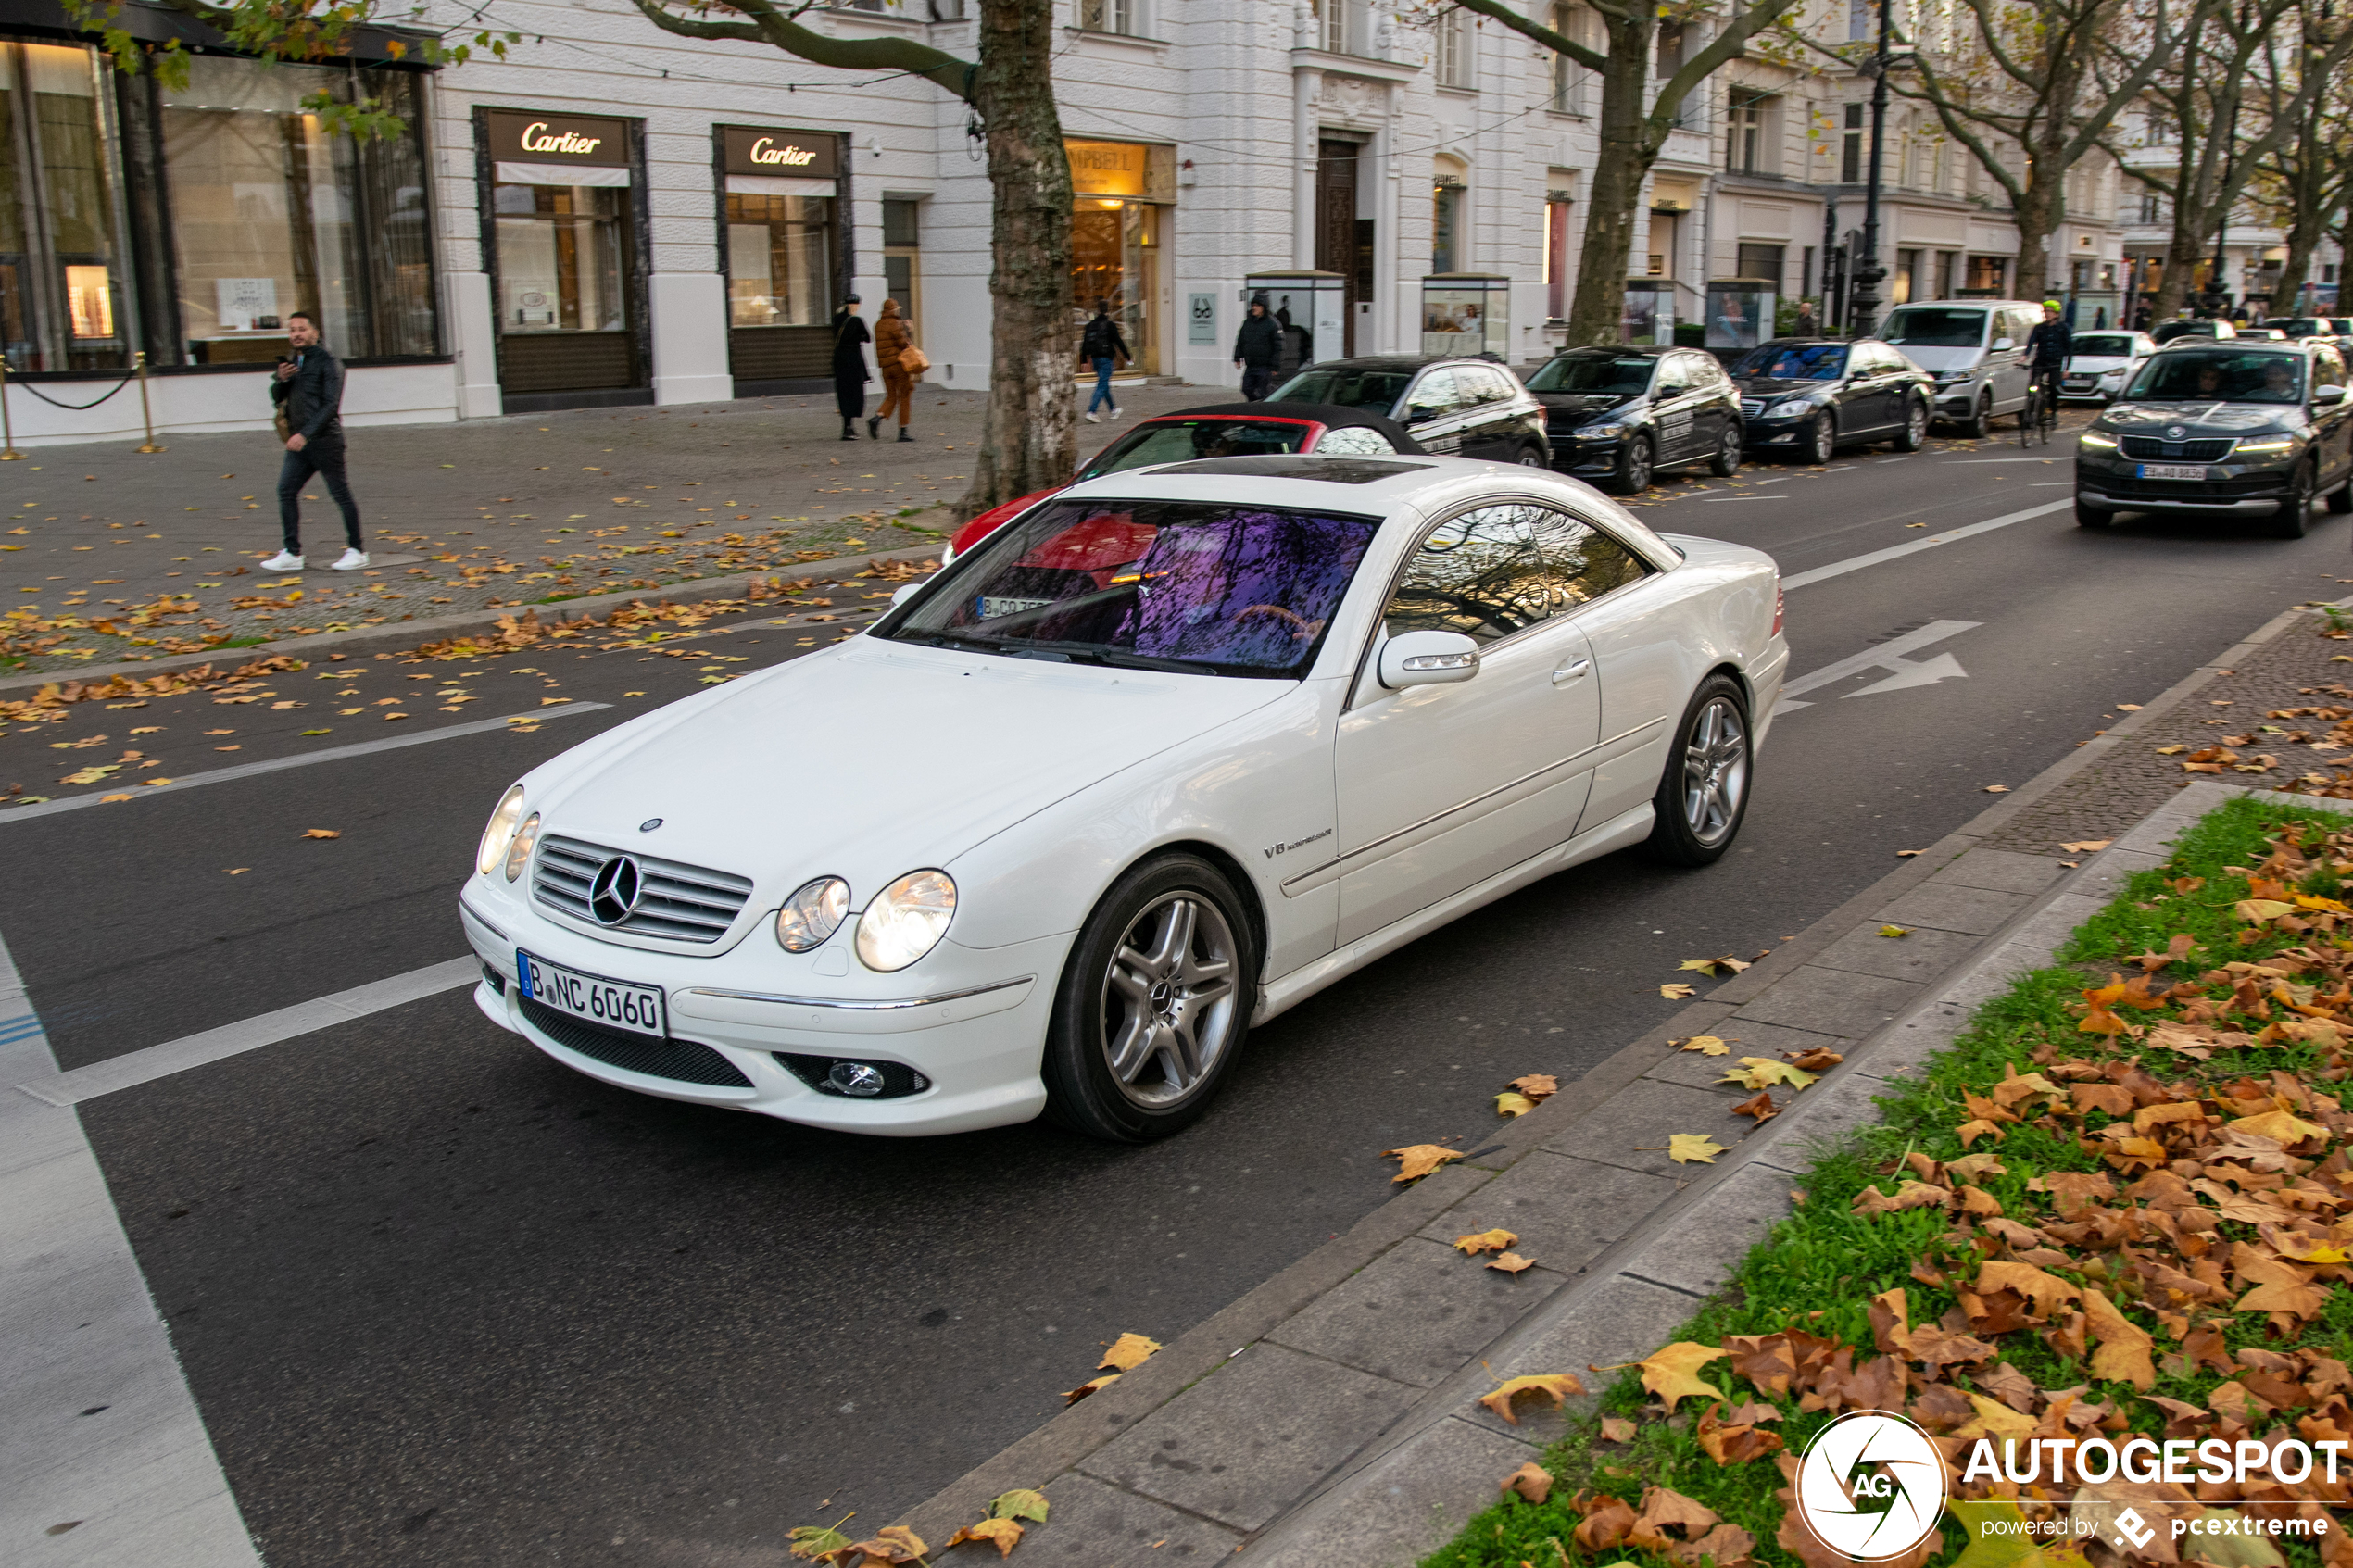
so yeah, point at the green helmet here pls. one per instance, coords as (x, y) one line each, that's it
(2050, 305)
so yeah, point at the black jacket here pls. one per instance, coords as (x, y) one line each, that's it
(1260, 343)
(2050, 343)
(313, 394)
(1102, 341)
(849, 340)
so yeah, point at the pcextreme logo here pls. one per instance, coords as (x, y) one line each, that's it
(1870, 1486)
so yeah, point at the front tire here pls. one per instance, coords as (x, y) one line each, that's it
(1154, 1003)
(1532, 457)
(1821, 439)
(1915, 432)
(1703, 793)
(1727, 461)
(2340, 500)
(1979, 424)
(1635, 461)
(2295, 512)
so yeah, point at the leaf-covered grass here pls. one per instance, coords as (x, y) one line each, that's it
(1826, 1260)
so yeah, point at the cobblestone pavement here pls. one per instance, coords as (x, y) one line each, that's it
(2298, 669)
(479, 514)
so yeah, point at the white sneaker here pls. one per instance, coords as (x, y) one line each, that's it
(1094, 419)
(283, 561)
(352, 561)
(1115, 413)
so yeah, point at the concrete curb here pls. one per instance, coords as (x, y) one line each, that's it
(1349, 1431)
(398, 636)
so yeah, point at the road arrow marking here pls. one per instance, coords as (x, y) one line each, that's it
(1904, 673)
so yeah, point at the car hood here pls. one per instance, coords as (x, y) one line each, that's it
(1776, 386)
(1583, 402)
(872, 759)
(2201, 419)
(1934, 359)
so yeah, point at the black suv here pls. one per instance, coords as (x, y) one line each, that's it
(1462, 408)
(2242, 425)
(1812, 395)
(1617, 415)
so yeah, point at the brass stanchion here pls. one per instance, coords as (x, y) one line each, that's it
(147, 413)
(7, 425)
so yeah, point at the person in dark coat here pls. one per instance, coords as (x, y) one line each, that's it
(1258, 348)
(1103, 350)
(851, 374)
(309, 391)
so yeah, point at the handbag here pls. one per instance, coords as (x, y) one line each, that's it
(913, 360)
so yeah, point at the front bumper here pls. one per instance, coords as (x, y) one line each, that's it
(972, 1022)
(2113, 484)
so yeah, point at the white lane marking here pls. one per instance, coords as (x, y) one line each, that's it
(251, 1034)
(2060, 459)
(2051, 484)
(1896, 552)
(332, 754)
(1905, 673)
(98, 1430)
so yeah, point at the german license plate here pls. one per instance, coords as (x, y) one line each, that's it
(614, 1004)
(2194, 471)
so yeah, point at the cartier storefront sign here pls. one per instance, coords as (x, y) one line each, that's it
(746, 149)
(583, 140)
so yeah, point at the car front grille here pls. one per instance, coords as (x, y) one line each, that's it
(678, 902)
(687, 1061)
(2124, 488)
(1752, 406)
(2149, 448)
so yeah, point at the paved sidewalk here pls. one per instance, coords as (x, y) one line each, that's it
(461, 517)
(1330, 1415)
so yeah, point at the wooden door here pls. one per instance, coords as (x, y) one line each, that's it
(1335, 224)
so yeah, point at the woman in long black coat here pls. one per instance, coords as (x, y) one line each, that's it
(851, 374)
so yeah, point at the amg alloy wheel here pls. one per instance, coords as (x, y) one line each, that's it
(1704, 793)
(1915, 432)
(1821, 439)
(1633, 474)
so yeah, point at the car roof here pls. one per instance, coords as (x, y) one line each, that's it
(1809, 341)
(1394, 362)
(2237, 344)
(1326, 414)
(1620, 350)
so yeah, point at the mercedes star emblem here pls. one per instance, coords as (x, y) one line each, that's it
(649, 824)
(613, 895)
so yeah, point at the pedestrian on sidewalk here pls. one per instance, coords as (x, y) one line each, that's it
(850, 375)
(1102, 346)
(308, 393)
(1258, 348)
(892, 340)
(1806, 325)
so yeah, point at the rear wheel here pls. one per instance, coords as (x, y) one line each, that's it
(1727, 461)
(2295, 512)
(1821, 438)
(1633, 475)
(1915, 432)
(1704, 793)
(2030, 416)
(1154, 1003)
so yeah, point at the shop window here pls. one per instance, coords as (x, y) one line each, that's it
(61, 264)
(560, 258)
(1114, 260)
(272, 213)
(780, 253)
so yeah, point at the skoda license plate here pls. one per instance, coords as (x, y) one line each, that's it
(2193, 471)
(615, 1004)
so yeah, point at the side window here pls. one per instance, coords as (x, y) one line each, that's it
(1499, 570)
(1480, 385)
(1354, 440)
(2328, 368)
(1435, 394)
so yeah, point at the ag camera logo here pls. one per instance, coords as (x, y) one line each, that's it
(1872, 1485)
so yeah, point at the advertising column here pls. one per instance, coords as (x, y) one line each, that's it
(565, 241)
(780, 245)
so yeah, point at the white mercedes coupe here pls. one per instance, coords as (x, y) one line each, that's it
(1165, 756)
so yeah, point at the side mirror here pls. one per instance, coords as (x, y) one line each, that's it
(1673, 389)
(2001, 344)
(904, 591)
(2328, 396)
(1419, 413)
(1428, 659)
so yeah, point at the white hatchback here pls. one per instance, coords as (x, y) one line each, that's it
(2100, 362)
(1163, 758)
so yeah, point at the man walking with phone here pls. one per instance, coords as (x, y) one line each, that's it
(309, 391)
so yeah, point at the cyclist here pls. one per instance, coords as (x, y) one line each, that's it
(2047, 347)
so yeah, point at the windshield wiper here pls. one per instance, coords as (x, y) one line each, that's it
(941, 640)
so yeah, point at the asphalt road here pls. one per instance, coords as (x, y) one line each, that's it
(443, 1301)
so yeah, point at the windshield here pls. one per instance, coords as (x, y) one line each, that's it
(1804, 361)
(1193, 586)
(2219, 375)
(1350, 387)
(2300, 326)
(2104, 345)
(1183, 441)
(1936, 329)
(1624, 375)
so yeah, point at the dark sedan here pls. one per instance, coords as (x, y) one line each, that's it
(2257, 427)
(1460, 406)
(1617, 415)
(1812, 395)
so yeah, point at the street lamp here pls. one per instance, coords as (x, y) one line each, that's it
(1864, 307)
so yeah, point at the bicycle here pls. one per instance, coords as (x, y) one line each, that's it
(2039, 418)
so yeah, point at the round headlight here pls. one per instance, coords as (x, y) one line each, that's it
(812, 914)
(501, 829)
(519, 852)
(905, 920)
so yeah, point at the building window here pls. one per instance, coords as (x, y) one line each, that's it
(1670, 49)
(1746, 150)
(1445, 224)
(1988, 274)
(1559, 207)
(560, 257)
(2151, 210)
(272, 213)
(1107, 15)
(1455, 49)
(1850, 152)
(1907, 276)
(1762, 261)
(1573, 23)
(1337, 26)
(62, 278)
(1947, 263)
(902, 257)
(780, 253)
(1858, 20)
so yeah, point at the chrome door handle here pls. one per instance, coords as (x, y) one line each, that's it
(1568, 673)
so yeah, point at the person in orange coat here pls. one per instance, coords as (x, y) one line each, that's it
(892, 340)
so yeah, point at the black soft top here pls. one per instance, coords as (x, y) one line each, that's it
(1330, 415)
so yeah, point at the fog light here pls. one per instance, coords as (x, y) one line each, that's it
(861, 1080)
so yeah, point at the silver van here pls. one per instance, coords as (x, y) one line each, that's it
(1975, 348)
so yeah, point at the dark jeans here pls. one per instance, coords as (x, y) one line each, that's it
(322, 456)
(1102, 386)
(1257, 382)
(850, 395)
